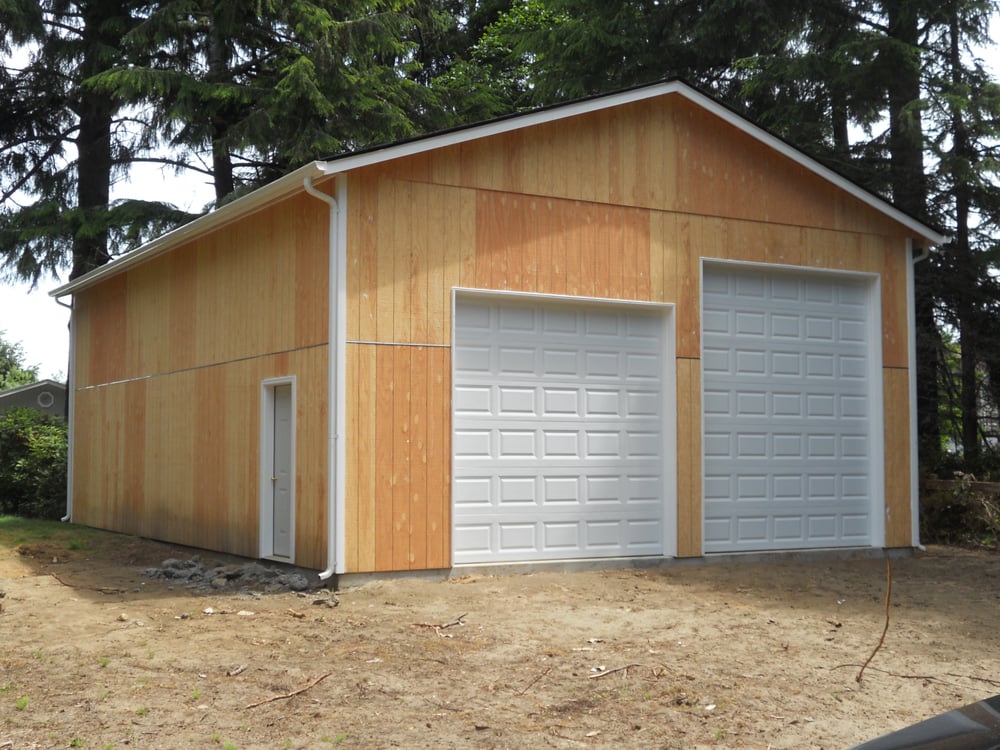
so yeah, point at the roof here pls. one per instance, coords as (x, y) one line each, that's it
(293, 182)
(31, 386)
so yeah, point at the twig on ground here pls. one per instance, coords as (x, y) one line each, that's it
(438, 627)
(994, 683)
(885, 629)
(292, 694)
(531, 684)
(606, 672)
(924, 677)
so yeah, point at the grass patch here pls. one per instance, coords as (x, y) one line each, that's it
(16, 531)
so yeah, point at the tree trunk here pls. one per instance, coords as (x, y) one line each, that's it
(94, 158)
(218, 72)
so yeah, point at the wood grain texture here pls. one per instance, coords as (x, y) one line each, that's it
(622, 205)
(401, 404)
(689, 472)
(896, 398)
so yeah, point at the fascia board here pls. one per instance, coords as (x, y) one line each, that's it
(247, 204)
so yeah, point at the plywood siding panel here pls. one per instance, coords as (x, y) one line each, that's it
(895, 322)
(365, 467)
(689, 472)
(362, 258)
(688, 288)
(312, 420)
(311, 235)
(106, 344)
(399, 437)
(183, 315)
(895, 385)
(418, 500)
(147, 299)
(385, 466)
(438, 452)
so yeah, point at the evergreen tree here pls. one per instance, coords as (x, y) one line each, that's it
(245, 92)
(63, 143)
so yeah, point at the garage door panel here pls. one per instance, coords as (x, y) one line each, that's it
(557, 432)
(786, 410)
(489, 540)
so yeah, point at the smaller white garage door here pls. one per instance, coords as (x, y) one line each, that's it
(786, 362)
(557, 431)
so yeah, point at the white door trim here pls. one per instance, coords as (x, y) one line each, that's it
(878, 507)
(668, 390)
(266, 462)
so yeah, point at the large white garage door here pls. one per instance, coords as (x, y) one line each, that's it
(787, 410)
(557, 431)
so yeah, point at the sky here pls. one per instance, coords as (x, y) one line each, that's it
(40, 324)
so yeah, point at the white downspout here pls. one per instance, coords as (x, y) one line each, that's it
(335, 300)
(70, 403)
(912, 335)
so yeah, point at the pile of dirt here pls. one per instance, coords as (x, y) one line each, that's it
(252, 578)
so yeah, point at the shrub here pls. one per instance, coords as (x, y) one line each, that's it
(963, 512)
(33, 451)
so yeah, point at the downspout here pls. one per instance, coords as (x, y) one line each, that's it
(70, 403)
(333, 517)
(912, 335)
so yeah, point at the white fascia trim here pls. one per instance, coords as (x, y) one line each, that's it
(262, 197)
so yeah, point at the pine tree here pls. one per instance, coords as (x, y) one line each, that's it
(63, 143)
(245, 92)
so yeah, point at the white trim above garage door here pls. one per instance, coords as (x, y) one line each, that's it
(560, 446)
(791, 370)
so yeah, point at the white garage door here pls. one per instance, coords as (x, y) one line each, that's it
(557, 431)
(786, 363)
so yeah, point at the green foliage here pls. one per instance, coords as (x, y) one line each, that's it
(33, 452)
(13, 371)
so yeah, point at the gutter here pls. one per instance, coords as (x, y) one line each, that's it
(336, 301)
(70, 403)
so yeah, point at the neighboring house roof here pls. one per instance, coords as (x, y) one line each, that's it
(31, 386)
(47, 396)
(293, 182)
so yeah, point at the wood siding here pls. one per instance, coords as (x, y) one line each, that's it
(170, 359)
(623, 204)
(619, 205)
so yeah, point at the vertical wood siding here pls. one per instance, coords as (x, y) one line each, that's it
(621, 205)
(170, 359)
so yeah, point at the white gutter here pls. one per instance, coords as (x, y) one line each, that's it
(337, 303)
(70, 404)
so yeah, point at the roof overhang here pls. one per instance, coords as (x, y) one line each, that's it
(293, 182)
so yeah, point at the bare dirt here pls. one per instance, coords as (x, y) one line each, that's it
(96, 654)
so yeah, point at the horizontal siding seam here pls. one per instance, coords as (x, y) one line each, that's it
(167, 373)
(399, 343)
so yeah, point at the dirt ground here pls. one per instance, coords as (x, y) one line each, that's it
(94, 654)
